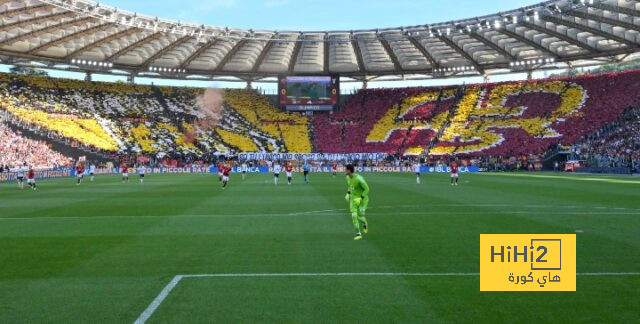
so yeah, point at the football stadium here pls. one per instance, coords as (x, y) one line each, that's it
(243, 161)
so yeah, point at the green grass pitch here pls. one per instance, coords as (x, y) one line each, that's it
(103, 251)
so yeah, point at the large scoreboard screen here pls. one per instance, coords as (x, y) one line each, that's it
(309, 92)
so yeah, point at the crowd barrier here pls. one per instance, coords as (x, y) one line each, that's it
(69, 172)
(374, 169)
(43, 174)
(313, 156)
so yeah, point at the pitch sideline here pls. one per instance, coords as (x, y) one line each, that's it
(151, 309)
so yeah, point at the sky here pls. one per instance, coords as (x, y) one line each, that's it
(311, 15)
(308, 15)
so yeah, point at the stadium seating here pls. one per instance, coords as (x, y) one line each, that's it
(382, 120)
(263, 118)
(505, 119)
(501, 119)
(16, 150)
(616, 145)
(118, 117)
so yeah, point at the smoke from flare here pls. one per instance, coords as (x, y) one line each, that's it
(210, 104)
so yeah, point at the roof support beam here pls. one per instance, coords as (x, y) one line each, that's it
(460, 51)
(263, 54)
(33, 33)
(423, 50)
(602, 19)
(560, 36)
(327, 57)
(591, 30)
(528, 42)
(359, 59)
(392, 55)
(164, 50)
(492, 45)
(229, 55)
(62, 40)
(294, 56)
(103, 41)
(197, 53)
(37, 20)
(3, 2)
(23, 10)
(618, 9)
(131, 46)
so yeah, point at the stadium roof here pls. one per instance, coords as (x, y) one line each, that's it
(82, 35)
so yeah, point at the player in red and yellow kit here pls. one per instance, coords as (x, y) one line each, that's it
(80, 173)
(225, 170)
(454, 174)
(31, 178)
(289, 170)
(125, 173)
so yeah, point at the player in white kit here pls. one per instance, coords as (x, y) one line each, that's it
(141, 171)
(244, 169)
(416, 169)
(92, 171)
(277, 169)
(20, 175)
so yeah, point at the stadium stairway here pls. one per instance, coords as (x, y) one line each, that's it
(312, 134)
(452, 112)
(157, 93)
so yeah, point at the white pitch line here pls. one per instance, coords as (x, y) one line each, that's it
(608, 274)
(158, 300)
(574, 178)
(376, 274)
(148, 312)
(317, 212)
(334, 274)
(310, 213)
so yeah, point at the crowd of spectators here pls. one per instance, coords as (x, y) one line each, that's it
(509, 119)
(616, 145)
(16, 150)
(502, 125)
(119, 118)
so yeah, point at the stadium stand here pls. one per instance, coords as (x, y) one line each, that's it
(115, 117)
(16, 150)
(501, 119)
(382, 120)
(615, 146)
(505, 119)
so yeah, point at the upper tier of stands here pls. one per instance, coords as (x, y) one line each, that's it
(117, 117)
(508, 119)
(512, 118)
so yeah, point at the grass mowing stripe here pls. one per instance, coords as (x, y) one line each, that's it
(140, 238)
(308, 214)
(148, 312)
(564, 177)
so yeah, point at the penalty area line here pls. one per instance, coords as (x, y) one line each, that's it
(148, 312)
(158, 300)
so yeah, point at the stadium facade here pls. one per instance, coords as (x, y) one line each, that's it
(83, 35)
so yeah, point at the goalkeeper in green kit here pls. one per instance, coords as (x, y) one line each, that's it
(358, 198)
